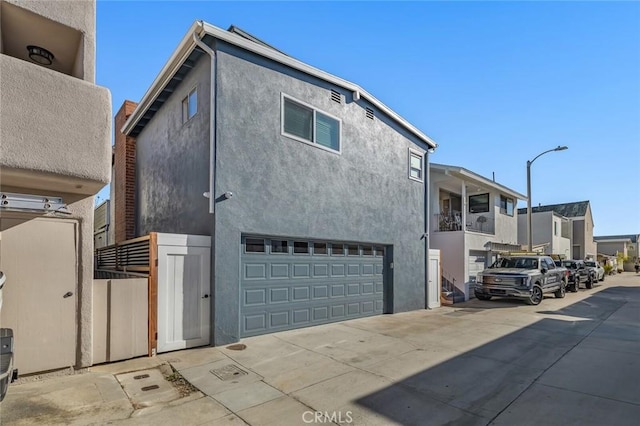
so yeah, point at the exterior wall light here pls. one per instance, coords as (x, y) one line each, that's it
(40, 55)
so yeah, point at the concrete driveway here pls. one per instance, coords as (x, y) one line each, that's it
(567, 361)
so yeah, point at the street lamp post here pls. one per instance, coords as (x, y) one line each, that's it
(529, 163)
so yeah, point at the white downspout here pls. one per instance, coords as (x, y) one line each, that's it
(212, 135)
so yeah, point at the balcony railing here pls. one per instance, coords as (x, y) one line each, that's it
(475, 222)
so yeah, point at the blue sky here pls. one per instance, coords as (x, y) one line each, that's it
(493, 83)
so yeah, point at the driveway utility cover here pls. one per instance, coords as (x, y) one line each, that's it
(228, 372)
(147, 387)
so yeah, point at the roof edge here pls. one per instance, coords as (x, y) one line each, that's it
(187, 45)
(475, 176)
(176, 59)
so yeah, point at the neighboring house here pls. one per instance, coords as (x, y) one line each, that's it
(551, 233)
(54, 157)
(311, 189)
(473, 221)
(579, 214)
(626, 245)
(102, 225)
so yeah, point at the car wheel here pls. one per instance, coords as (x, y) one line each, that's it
(576, 285)
(602, 277)
(483, 297)
(536, 296)
(589, 283)
(562, 291)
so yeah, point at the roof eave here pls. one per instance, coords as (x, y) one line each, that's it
(465, 174)
(187, 45)
(178, 56)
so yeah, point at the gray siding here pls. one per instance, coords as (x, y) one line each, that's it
(285, 187)
(172, 163)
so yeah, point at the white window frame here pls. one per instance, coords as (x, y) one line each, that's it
(505, 210)
(313, 143)
(187, 117)
(421, 155)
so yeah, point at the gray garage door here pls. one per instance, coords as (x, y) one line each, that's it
(289, 284)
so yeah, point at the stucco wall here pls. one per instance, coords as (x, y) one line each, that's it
(78, 14)
(54, 124)
(452, 254)
(285, 187)
(172, 163)
(506, 230)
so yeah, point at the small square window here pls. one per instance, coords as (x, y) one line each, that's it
(337, 249)
(301, 247)
(415, 165)
(254, 245)
(353, 250)
(506, 205)
(189, 105)
(367, 251)
(279, 246)
(320, 248)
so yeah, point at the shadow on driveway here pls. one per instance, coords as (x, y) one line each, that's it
(582, 366)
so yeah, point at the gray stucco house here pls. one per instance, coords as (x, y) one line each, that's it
(312, 190)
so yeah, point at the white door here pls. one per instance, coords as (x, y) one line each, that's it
(39, 259)
(183, 297)
(434, 279)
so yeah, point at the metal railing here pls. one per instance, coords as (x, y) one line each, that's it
(475, 222)
(127, 256)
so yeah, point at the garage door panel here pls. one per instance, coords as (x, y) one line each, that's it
(255, 271)
(279, 271)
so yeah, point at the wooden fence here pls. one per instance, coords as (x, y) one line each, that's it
(134, 258)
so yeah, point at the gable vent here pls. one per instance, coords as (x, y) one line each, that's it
(336, 97)
(369, 113)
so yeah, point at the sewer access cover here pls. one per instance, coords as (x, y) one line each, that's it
(228, 372)
(147, 388)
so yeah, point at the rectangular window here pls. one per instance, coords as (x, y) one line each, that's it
(320, 248)
(379, 251)
(254, 245)
(479, 203)
(190, 105)
(300, 247)
(337, 249)
(555, 228)
(506, 205)
(279, 246)
(367, 251)
(307, 124)
(415, 165)
(352, 250)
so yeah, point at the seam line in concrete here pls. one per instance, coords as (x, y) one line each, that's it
(590, 394)
(535, 381)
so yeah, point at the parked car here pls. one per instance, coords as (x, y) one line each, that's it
(7, 373)
(578, 274)
(595, 266)
(526, 277)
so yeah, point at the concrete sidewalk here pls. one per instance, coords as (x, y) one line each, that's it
(566, 361)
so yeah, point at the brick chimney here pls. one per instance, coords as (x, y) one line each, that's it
(124, 178)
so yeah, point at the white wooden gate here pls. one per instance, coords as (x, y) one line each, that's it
(184, 290)
(434, 286)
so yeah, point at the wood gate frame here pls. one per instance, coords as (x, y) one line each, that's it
(137, 257)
